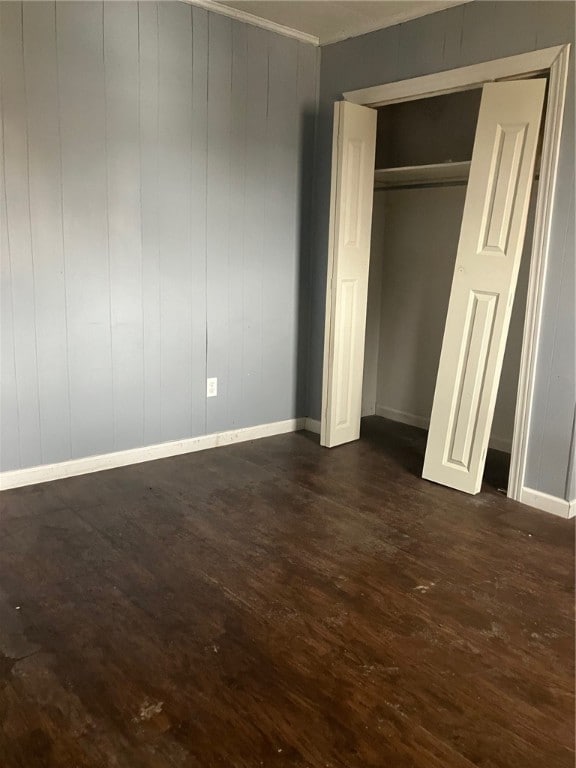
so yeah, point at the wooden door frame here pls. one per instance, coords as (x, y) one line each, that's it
(554, 61)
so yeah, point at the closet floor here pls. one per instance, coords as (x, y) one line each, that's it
(278, 604)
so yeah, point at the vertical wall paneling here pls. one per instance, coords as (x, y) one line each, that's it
(236, 266)
(522, 19)
(550, 437)
(421, 46)
(303, 183)
(84, 194)
(254, 201)
(199, 141)
(175, 233)
(40, 65)
(9, 428)
(452, 53)
(9, 434)
(124, 226)
(140, 153)
(307, 92)
(16, 176)
(218, 214)
(149, 221)
(280, 268)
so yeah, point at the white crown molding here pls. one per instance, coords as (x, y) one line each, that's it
(47, 472)
(255, 21)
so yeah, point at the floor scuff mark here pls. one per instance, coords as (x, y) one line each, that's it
(148, 710)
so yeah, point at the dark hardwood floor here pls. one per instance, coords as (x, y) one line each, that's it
(278, 604)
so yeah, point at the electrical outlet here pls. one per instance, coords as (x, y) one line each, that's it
(211, 387)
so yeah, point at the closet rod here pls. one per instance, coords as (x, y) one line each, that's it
(432, 184)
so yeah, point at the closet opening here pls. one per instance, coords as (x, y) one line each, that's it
(423, 153)
(516, 92)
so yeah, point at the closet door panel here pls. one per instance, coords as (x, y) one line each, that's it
(348, 265)
(484, 282)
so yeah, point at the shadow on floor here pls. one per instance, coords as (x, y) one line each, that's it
(407, 445)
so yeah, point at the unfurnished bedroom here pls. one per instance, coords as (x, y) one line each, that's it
(287, 384)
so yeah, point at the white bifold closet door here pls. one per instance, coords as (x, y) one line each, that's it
(354, 146)
(485, 274)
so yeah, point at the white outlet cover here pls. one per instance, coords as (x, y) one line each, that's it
(211, 387)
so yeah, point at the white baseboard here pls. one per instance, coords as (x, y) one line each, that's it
(498, 443)
(312, 425)
(552, 504)
(46, 472)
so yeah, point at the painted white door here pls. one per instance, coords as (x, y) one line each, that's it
(486, 269)
(353, 149)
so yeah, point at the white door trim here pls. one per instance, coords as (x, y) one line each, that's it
(461, 79)
(556, 60)
(538, 266)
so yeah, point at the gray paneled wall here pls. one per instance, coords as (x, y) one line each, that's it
(157, 159)
(456, 37)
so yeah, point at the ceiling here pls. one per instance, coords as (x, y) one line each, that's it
(332, 20)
